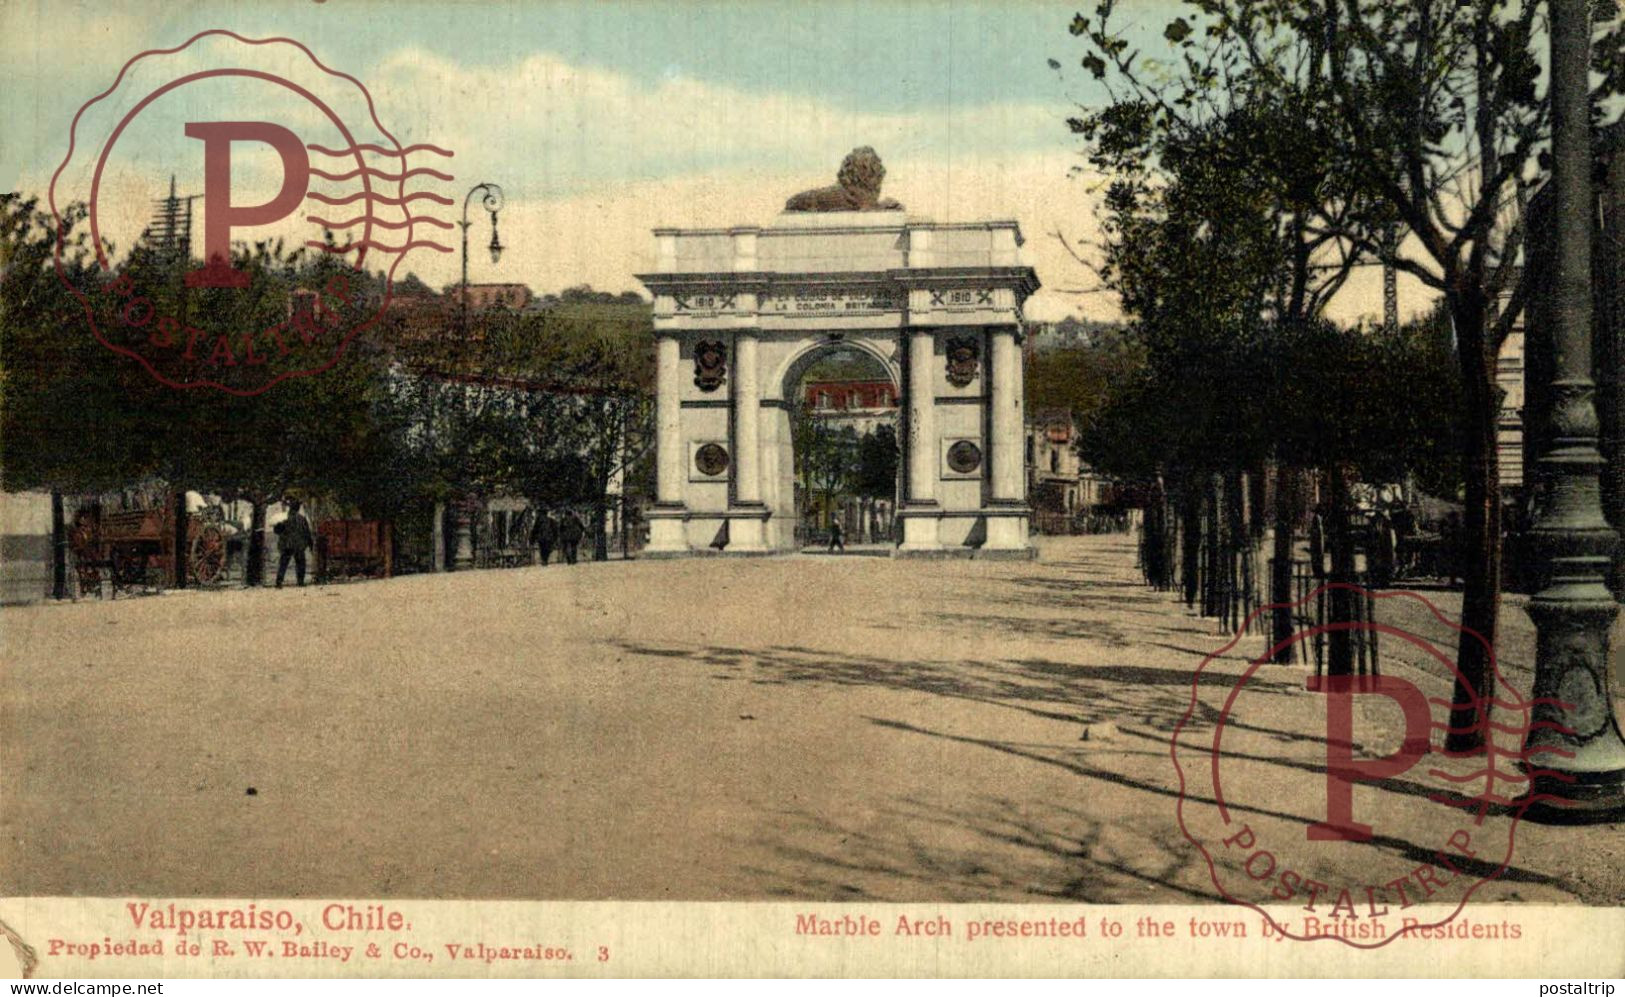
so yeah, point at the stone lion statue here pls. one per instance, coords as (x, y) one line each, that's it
(857, 187)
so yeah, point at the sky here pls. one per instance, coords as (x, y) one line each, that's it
(600, 121)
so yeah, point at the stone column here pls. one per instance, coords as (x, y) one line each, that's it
(463, 557)
(746, 533)
(920, 522)
(666, 535)
(1006, 405)
(668, 419)
(747, 414)
(1007, 506)
(922, 422)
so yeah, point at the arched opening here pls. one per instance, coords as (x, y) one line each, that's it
(838, 455)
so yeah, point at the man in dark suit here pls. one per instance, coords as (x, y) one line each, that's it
(570, 533)
(294, 538)
(545, 535)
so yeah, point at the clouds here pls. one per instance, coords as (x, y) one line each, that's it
(570, 128)
(591, 160)
(603, 237)
(593, 152)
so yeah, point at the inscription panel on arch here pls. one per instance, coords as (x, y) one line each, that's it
(705, 303)
(873, 301)
(966, 304)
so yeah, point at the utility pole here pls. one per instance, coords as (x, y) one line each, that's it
(1390, 280)
(1574, 751)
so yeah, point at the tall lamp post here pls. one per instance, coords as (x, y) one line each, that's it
(490, 200)
(1574, 749)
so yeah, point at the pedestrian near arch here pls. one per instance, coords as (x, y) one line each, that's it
(294, 538)
(545, 535)
(570, 533)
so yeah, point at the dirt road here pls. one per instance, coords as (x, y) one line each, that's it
(805, 727)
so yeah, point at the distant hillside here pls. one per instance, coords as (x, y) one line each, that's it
(1071, 332)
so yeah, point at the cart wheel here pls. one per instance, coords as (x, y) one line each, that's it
(208, 555)
(129, 570)
(85, 545)
(90, 578)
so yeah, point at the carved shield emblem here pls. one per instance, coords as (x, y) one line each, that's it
(964, 356)
(710, 364)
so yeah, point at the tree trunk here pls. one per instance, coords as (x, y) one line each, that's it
(59, 548)
(437, 538)
(1237, 548)
(1155, 546)
(1212, 563)
(1257, 487)
(1480, 553)
(1190, 541)
(1286, 509)
(254, 571)
(1341, 598)
(182, 550)
(600, 525)
(626, 526)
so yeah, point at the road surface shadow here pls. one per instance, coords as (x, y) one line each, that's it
(1423, 853)
(1142, 705)
(984, 848)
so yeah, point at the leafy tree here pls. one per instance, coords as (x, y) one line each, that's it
(876, 476)
(552, 403)
(1208, 154)
(608, 361)
(1193, 250)
(827, 457)
(1081, 378)
(877, 463)
(1434, 113)
(79, 417)
(67, 421)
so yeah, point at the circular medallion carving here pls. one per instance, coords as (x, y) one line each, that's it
(964, 457)
(711, 459)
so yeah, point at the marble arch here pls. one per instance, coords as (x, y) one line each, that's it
(739, 310)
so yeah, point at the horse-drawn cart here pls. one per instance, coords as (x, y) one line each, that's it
(136, 547)
(347, 548)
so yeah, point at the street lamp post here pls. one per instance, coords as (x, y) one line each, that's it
(490, 200)
(1574, 751)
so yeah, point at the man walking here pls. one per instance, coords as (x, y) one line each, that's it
(836, 538)
(294, 537)
(545, 535)
(570, 532)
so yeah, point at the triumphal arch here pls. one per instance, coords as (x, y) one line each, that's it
(741, 312)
